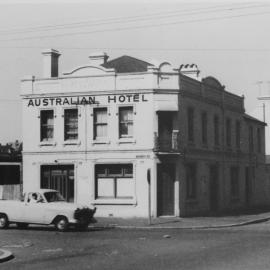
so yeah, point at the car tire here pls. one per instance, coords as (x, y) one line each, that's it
(22, 225)
(61, 224)
(4, 221)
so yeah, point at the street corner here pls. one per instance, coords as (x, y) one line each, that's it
(5, 255)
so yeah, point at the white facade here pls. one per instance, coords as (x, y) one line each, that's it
(85, 89)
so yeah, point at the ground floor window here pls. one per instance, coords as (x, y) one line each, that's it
(114, 181)
(235, 182)
(191, 183)
(9, 174)
(59, 177)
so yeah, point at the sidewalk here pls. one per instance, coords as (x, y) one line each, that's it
(181, 223)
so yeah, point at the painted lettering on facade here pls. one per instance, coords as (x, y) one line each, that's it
(84, 100)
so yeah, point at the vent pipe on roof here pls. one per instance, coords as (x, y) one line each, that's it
(50, 63)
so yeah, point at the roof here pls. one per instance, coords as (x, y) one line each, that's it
(251, 118)
(126, 64)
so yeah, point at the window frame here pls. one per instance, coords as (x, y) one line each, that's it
(97, 124)
(114, 177)
(190, 124)
(228, 132)
(204, 127)
(238, 134)
(128, 122)
(65, 131)
(43, 139)
(216, 130)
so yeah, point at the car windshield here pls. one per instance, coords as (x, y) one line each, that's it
(53, 197)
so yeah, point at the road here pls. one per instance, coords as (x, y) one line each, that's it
(246, 247)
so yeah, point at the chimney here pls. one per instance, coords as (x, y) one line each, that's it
(190, 70)
(98, 58)
(50, 63)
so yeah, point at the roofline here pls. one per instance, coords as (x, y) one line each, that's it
(250, 118)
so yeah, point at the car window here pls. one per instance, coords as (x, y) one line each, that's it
(53, 197)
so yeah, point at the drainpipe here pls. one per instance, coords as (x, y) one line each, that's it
(149, 196)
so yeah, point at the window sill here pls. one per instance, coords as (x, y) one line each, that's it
(71, 143)
(101, 141)
(126, 140)
(47, 143)
(114, 201)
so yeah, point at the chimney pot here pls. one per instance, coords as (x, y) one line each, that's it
(98, 58)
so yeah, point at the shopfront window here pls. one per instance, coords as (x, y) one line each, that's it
(46, 125)
(71, 124)
(100, 123)
(125, 122)
(114, 181)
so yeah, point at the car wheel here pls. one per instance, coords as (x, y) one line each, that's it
(61, 224)
(22, 225)
(3, 221)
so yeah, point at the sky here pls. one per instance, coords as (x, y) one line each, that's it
(228, 40)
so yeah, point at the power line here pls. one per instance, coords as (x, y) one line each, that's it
(134, 27)
(129, 19)
(144, 49)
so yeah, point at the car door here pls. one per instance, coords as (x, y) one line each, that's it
(33, 212)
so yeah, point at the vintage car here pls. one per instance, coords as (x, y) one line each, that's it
(45, 206)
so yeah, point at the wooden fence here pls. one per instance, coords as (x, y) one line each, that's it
(10, 192)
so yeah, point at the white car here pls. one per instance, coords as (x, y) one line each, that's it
(45, 206)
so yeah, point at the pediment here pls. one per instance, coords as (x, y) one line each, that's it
(165, 67)
(211, 81)
(89, 70)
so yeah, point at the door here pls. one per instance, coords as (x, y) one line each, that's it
(59, 177)
(248, 186)
(213, 185)
(165, 128)
(165, 189)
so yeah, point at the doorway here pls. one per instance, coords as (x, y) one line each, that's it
(165, 189)
(248, 185)
(213, 186)
(59, 177)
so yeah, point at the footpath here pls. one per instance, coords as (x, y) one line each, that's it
(181, 223)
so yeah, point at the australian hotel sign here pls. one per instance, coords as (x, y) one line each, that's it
(84, 100)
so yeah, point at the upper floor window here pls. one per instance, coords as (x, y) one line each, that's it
(125, 122)
(216, 130)
(259, 140)
(190, 116)
(204, 127)
(251, 139)
(46, 125)
(71, 124)
(228, 132)
(100, 123)
(238, 134)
